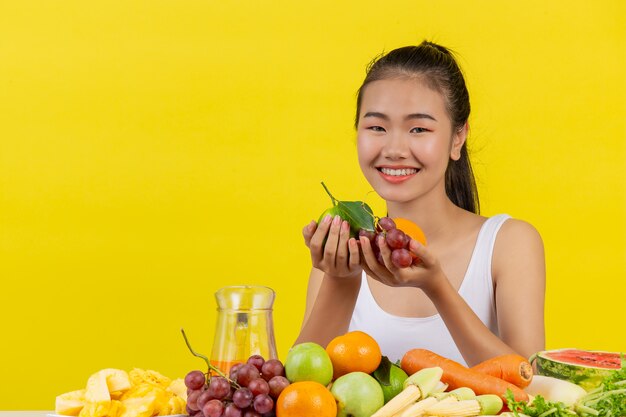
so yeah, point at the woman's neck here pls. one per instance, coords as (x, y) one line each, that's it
(436, 217)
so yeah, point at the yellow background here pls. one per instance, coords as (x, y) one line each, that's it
(154, 151)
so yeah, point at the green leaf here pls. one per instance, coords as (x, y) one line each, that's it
(382, 373)
(357, 213)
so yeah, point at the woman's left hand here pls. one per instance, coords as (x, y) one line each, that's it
(424, 275)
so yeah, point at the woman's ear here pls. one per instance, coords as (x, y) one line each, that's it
(458, 139)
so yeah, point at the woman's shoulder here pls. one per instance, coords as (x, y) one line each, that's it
(517, 241)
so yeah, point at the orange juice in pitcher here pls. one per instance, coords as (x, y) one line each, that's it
(244, 325)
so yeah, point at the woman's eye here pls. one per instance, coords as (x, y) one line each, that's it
(376, 128)
(418, 130)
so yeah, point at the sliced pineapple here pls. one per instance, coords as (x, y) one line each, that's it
(70, 403)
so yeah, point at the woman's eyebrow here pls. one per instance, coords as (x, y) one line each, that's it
(407, 117)
(419, 116)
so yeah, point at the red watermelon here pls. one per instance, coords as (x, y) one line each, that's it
(583, 367)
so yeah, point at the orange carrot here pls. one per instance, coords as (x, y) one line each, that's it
(457, 375)
(512, 368)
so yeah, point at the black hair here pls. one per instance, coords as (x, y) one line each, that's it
(435, 65)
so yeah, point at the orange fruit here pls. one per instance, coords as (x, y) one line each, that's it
(411, 229)
(306, 398)
(353, 352)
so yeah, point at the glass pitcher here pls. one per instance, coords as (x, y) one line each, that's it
(244, 326)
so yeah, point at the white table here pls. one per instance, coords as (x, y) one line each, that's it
(25, 413)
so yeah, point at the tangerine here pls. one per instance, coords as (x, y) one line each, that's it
(411, 229)
(306, 398)
(354, 351)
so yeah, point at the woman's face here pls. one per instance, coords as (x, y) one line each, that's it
(405, 139)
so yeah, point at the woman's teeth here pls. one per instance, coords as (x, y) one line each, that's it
(398, 172)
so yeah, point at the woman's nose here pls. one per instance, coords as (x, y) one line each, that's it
(396, 147)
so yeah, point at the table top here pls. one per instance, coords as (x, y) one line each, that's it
(39, 413)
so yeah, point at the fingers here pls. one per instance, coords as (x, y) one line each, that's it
(308, 231)
(369, 261)
(355, 257)
(341, 257)
(332, 241)
(427, 259)
(316, 242)
(385, 250)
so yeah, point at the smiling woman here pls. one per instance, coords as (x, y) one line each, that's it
(463, 299)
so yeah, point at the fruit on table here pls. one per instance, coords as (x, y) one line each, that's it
(306, 398)
(116, 393)
(251, 388)
(357, 394)
(582, 367)
(353, 352)
(396, 380)
(418, 386)
(357, 213)
(308, 362)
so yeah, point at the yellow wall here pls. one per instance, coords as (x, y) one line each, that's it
(153, 151)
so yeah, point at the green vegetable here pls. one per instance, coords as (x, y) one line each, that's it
(608, 400)
(357, 213)
(538, 408)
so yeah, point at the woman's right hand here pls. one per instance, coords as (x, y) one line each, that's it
(339, 256)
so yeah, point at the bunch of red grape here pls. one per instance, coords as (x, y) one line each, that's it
(251, 390)
(396, 239)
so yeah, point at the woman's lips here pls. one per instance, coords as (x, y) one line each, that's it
(397, 175)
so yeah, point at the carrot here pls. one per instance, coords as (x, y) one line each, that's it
(457, 375)
(512, 368)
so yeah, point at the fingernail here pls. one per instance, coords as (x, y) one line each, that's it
(327, 218)
(381, 240)
(345, 226)
(336, 220)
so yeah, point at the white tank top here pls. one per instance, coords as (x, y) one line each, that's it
(397, 335)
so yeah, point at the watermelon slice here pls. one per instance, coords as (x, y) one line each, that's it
(583, 367)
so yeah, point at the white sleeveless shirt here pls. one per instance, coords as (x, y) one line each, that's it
(397, 335)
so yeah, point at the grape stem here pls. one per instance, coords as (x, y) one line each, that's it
(333, 199)
(199, 355)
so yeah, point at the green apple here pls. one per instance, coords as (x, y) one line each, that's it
(358, 395)
(308, 362)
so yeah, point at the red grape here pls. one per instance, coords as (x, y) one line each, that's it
(257, 361)
(401, 258)
(277, 385)
(219, 387)
(386, 223)
(259, 386)
(247, 373)
(369, 234)
(251, 413)
(204, 398)
(195, 380)
(407, 241)
(232, 410)
(192, 400)
(213, 408)
(232, 374)
(395, 238)
(242, 398)
(272, 368)
(263, 403)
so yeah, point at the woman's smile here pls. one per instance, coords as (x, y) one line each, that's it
(397, 174)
